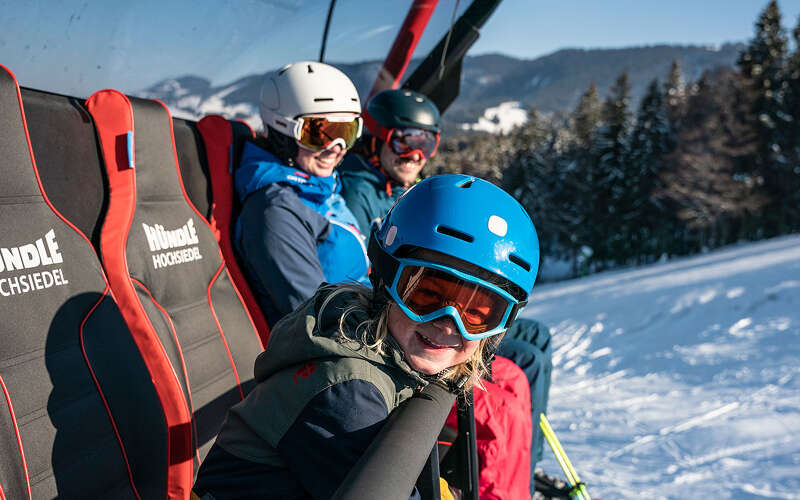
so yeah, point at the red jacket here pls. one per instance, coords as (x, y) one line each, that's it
(503, 431)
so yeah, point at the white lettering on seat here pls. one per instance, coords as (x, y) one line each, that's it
(159, 239)
(31, 255)
(42, 252)
(174, 257)
(16, 285)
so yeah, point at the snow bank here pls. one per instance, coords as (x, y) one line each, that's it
(681, 379)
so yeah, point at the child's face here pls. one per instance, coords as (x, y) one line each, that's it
(432, 346)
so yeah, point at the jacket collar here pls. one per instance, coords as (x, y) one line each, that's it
(260, 168)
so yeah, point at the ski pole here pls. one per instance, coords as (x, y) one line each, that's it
(558, 450)
(563, 460)
(578, 487)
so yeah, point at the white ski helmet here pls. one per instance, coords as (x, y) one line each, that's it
(305, 88)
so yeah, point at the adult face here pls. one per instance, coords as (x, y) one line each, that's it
(334, 130)
(430, 347)
(319, 163)
(403, 170)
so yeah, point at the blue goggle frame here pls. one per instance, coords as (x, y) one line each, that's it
(511, 307)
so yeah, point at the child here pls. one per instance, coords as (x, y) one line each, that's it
(452, 265)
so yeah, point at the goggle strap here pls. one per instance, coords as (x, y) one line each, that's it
(334, 142)
(513, 315)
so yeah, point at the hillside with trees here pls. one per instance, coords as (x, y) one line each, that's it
(695, 165)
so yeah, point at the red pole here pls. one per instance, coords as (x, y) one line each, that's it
(396, 63)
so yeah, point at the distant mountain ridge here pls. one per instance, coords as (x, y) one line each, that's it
(551, 83)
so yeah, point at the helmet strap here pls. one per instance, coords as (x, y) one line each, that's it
(373, 152)
(373, 155)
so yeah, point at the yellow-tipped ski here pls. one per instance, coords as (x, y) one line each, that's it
(563, 459)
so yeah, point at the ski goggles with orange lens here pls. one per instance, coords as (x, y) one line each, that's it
(319, 133)
(427, 291)
(407, 141)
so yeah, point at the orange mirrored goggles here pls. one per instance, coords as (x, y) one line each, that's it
(318, 133)
(427, 291)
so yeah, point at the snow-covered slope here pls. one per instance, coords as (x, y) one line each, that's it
(681, 380)
(500, 119)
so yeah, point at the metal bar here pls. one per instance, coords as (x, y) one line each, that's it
(396, 63)
(325, 33)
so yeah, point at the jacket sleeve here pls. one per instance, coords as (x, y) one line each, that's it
(279, 243)
(331, 433)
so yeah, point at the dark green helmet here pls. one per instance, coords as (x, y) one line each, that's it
(400, 108)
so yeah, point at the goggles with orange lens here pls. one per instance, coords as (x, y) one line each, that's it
(319, 133)
(426, 291)
(407, 141)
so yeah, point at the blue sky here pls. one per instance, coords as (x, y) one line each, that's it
(75, 47)
(530, 28)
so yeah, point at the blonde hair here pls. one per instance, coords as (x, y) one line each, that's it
(374, 331)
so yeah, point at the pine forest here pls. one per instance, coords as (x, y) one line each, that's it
(696, 165)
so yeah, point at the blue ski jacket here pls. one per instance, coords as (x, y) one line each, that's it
(294, 232)
(369, 194)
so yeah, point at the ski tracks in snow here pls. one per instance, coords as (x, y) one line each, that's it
(681, 380)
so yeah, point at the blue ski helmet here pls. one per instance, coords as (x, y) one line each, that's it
(465, 218)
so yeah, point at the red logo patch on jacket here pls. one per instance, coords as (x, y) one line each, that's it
(305, 371)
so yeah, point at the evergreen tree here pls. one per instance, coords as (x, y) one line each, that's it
(608, 190)
(793, 93)
(578, 174)
(481, 154)
(675, 96)
(763, 64)
(612, 139)
(535, 176)
(707, 182)
(651, 141)
(792, 148)
(586, 116)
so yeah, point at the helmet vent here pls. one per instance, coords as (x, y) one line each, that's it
(467, 183)
(310, 69)
(454, 233)
(354, 99)
(322, 99)
(520, 262)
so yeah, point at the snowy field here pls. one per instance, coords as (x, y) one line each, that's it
(680, 380)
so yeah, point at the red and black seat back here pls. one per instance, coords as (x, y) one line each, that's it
(166, 270)
(193, 163)
(223, 141)
(79, 415)
(64, 141)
